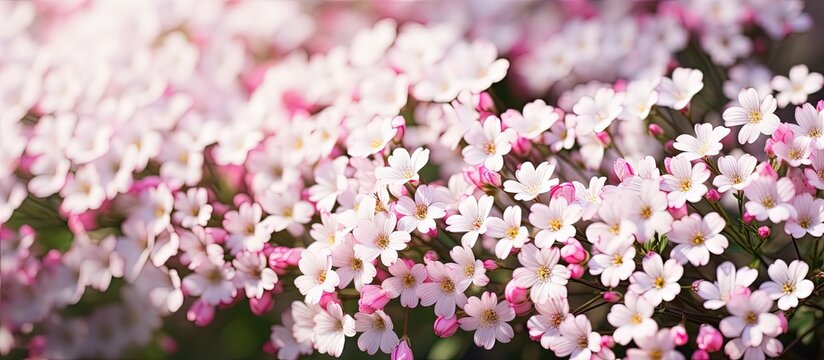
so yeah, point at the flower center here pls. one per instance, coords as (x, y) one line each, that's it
(555, 224)
(376, 144)
(421, 211)
(646, 212)
(477, 223)
(512, 232)
(557, 319)
(698, 239)
(489, 317)
(321, 277)
(250, 229)
(382, 241)
(356, 264)
(751, 318)
(755, 117)
(330, 239)
(794, 154)
(821, 174)
(685, 185)
(814, 133)
(408, 174)
(408, 280)
(636, 319)
(615, 229)
(447, 286)
(489, 148)
(543, 273)
(378, 323)
(768, 202)
(736, 179)
(659, 282)
(804, 222)
(656, 354)
(617, 259)
(583, 342)
(469, 270)
(788, 288)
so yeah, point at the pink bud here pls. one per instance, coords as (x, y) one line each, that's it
(576, 271)
(782, 321)
(603, 138)
(262, 305)
(620, 85)
(573, 252)
(564, 190)
(270, 348)
(402, 351)
(768, 147)
(515, 294)
(329, 297)
(430, 256)
(700, 355)
(655, 130)
(678, 213)
(485, 102)
(764, 231)
(713, 195)
(372, 298)
(240, 199)
(446, 327)
(492, 178)
(612, 297)
(668, 146)
(522, 146)
(709, 338)
(490, 265)
(748, 218)
(168, 344)
(622, 169)
(607, 341)
(765, 169)
(679, 335)
(201, 313)
(433, 232)
(398, 122)
(820, 105)
(523, 308)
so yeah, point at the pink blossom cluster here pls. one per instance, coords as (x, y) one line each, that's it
(203, 155)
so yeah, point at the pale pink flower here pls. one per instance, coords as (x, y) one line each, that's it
(445, 290)
(815, 172)
(192, 208)
(632, 319)
(556, 221)
(750, 318)
(487, 144)
(329, 233)
(246, 230)
(770, 347)
(736, 173)
(589, 198)
(577, 340)
(283, 339)
(548, 321)
(614, 261)
(788, 283)
(422, 212)
(377, 332)
(317, 275)
(660, 345)
(332, 327)
(659, 280)
(488, 318)
(531, 181)
(352, 267)
(404, 282)
(253, 274)
(403, 167)
(795, 88)
(795, 150)
(541, 273)
(728, 281)
(508, 231)
(809, 217)
(472, 218)
(649, 213)
(212, 282)
(330, 182)
(706, 142)
(770, 199)
(810, 124)
(697, 237)
(537, 117)
(596, 112)
(83, 191)
(676, 92)
(615, 225)
(754, 113)
(378, 238)
(371, 138)
(468, 269)
(685, 182)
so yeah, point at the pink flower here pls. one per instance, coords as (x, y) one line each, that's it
(372, 298)
(541, 273)
(489, 319)
(445, 290)
(446, 326)
(402, 351)
(577, 339)
(377, 332)
(750, 318)
(709, 338)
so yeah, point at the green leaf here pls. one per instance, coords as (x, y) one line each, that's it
(449, 348)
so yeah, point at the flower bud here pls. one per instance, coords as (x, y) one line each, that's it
(764, 231)
(372, 298)
(820, 105)
(262, 305)
(622, 169)
(492, 178)
(748, 219)
(201, 313)
(446, 327)
(612, 297)
(402, 351)
(522, 146)
(607, 341)
(679, 335)
(782, 322)
(573, 252)
(603, 138)
(679, 212)
(270, 348)
(669, 146)
(709, 338)
(713, 195)
(576, 271)
(490, 265)
(515, 294)
(700, 355)
(565, 191)
(655, 130)
(329, 297)
(430, 256)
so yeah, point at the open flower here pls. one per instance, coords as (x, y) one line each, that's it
(468, 269)
(614, 261)
(377, 332)
(697, 237)
(472, 219)
(706, 142)
(546, 324)
(659, 281)
(445, 290)
(489, 319)
(728, 281)
(369, 139)
(332, 327)
(750, 318)
(402, 168)
(685, 182)
(422, 212)
(351, 266)
(788, 283)
(660, 345)
(556, 221)
(541, 273)
(736, 173)
(632, 319)
(795, 89)
(487, 144)
(577, 340)
(404, 282)
(508, 231)
(770, 199)
(810, 124)
(676, 92)
(596, 113)
(808, 219)
(532, 181)
(318, 276)
(754, 113)
(378, 237)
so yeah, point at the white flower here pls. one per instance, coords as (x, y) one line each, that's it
(541, 273)
(798, 86)
(287, 209)
(615, 225)
(304, 316)
(639, 99)
(556, 221)
(246, 230)
(769, 198)
(788, 283)
(589, 198)
(632, 319)
(728, 281)
(404, 282)
(546, 324)
(508, 231)
(377, 237)
(192, 208)
(809, 217)
(402, 168)
(330, 182)
(706, 142)
(283, 339)
(468, 269)
(477, 65)
(352, 267)
(445, 290)
(318, 276)
(487, 144)
(659, 281)
(747, 75)
(537, 117)
(253, 274)
(212, 282)
(531, 181)
(750, 318)
(697, 237)
(754, 113)
(660, 345)
(420, 213)
(770, 348)
(371, 138)
(577, 340)
(796, 152)
(649, 213)
(83, 191)
(488, 318)
(597, 112)
(614, 261)
(377, 332)
(815, 172)
(685, 182)
(678, 91)
(735, 173)
(332, 327)
(810, 124)
(472, 218)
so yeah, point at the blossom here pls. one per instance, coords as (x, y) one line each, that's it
(541, 273)
(371, 138)
(750, 318)
(508, 231)
(685, 182)
(632, 319)
(795, 88)
(614, 261)
(659, 281)
(769, 198)
(809, 217)
(649, 213)
(317, 275)
(472, 218)
(444, 290)
(769, 347)
(810, 125)
(537, 117)
(788, 284)
(815, 175)
(488, 318)
(728, 282)
(556, 221)
(378, 237)
(736, 173)
(284, 340)
(422, 212)
(253, 274)
(287, 210)
(405, 281)
(330, 182)
(597, 112)
(402, 168)
(192, 208)
(697, 237)
(246, 229)
(487, 144)
(352, 266)
(212, 282)
(577, 340)
(754, 113)
(467, 268)
(660, 345)
(332, 327)
(531, 181)
(546, 324)
(615, 225)
(676, 92)
(377, 332)
(706, 142)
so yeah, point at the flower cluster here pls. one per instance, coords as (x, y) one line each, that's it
(239, 152)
